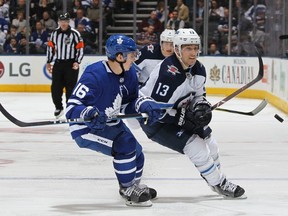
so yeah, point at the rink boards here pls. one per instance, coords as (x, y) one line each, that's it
(224, 75)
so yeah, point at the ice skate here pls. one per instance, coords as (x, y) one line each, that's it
(151, 191)
(230, 190)
(136, 196)
(58, 113)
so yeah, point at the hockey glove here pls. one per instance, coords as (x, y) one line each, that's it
(201, 112)
(151, 107)
(93, 118)
(194, 115)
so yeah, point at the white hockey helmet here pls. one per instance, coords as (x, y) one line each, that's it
(185, 36)
(167, 35)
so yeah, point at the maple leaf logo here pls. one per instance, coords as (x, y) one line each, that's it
(115, 110)
(215, 74)
(119, 41)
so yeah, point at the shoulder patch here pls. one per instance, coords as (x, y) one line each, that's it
(173, 70)
(150, 48)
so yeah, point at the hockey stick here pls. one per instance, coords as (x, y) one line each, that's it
(243, 88)
(260, 107)
(77, 120)
(127, 116)
(282, 37)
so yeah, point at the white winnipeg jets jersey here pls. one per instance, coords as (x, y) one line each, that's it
(149, 57)
(170, 83)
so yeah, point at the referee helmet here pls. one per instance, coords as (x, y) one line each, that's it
(64, 16)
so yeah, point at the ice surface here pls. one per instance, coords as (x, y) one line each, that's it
(44, 173)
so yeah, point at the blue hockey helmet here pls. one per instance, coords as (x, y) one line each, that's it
(119, 43)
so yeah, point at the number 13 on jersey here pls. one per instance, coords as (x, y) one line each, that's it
(162, 89)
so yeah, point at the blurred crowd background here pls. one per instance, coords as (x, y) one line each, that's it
(226, 27)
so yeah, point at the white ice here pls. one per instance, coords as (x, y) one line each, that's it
(44, 173)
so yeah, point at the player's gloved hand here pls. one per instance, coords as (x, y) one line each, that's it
(202, 113)
(151, 107)
(194, 115)
(93, 118)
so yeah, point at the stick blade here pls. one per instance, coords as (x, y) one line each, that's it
(260, 107)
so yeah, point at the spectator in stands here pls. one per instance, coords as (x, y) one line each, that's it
(19, 22)
(11, 33)
(86, 4)
(14, 8)
(33, 12)
(48, 23)
(215, 12)
(93, 13)
(213, 49)
(88, 39)
(21, 48)
(183, 11)
(39, 37)
(223, 27)
(45, 5)
(4, 10)
(257, 9)
(80, 18)
(11, 48)
(162, 13)
(199, 16)
(76, 5)
(151, 20)
(147, 37)
(234, 45)
(4, 26)
(174, 22)
(22, 34)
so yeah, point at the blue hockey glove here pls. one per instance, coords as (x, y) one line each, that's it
(151, 107)
(93, 118)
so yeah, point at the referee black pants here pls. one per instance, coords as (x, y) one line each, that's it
(63, 76)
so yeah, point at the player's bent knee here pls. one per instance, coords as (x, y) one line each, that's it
(196, 150)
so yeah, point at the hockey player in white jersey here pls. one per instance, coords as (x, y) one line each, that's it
(151, 55)
(105, 89)
(180, 80)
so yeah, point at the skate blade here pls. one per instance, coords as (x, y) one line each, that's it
(236, 198)
(148, 203)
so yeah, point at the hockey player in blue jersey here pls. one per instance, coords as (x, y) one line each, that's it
(105, 89)
(151, 55)
(180, 80)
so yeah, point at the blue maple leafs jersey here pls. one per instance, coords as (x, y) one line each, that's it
(170, 83)
(149, 57)
(100, 87)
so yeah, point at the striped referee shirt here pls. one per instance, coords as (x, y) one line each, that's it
(65, 45)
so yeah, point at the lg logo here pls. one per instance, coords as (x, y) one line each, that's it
(23, 70)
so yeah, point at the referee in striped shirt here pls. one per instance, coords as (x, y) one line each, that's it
(66, 49)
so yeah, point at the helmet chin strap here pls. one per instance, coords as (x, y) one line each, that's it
(121, 64)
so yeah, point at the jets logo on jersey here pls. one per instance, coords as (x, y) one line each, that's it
(150, 48)
(173, 70)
